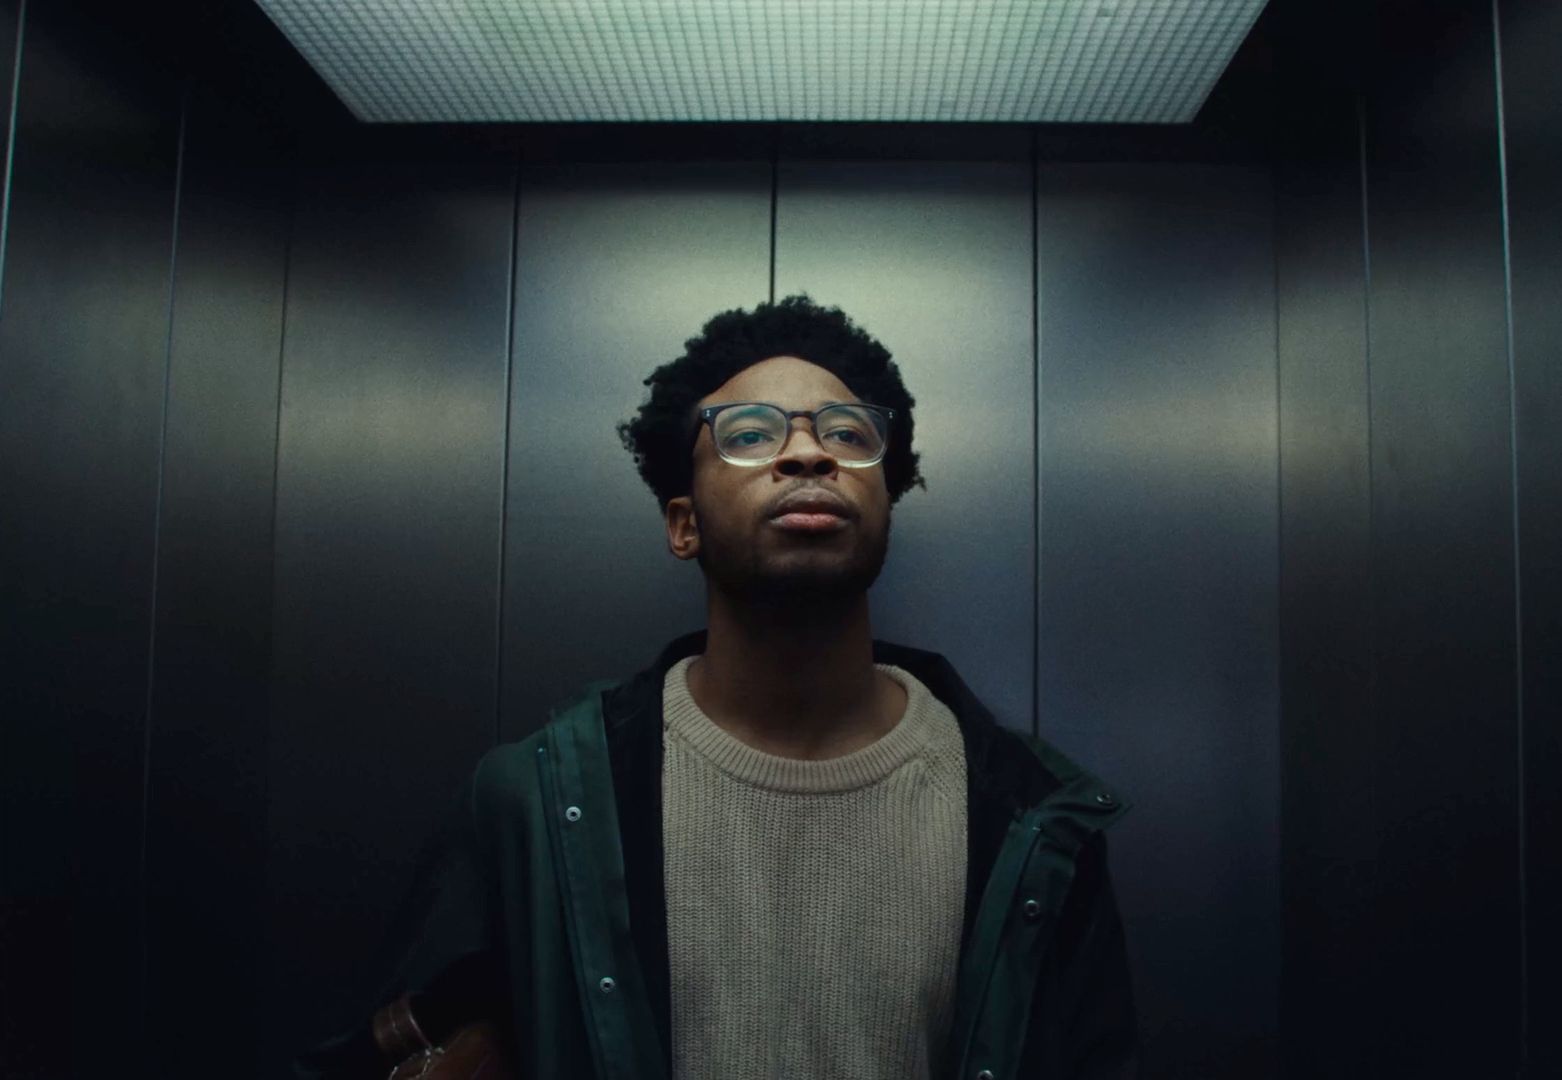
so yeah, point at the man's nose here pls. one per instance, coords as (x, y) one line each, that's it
(802, 444)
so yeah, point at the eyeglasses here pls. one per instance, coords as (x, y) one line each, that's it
(755, 432)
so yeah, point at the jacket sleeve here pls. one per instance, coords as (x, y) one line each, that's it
(1099, 1036)
(443, 947)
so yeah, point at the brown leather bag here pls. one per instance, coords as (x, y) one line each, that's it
(474, 1052)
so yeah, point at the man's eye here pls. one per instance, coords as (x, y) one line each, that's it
(853, 436)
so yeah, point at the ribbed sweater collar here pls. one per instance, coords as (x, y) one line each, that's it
(860, 768)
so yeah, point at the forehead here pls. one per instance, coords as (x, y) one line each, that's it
(783, 380)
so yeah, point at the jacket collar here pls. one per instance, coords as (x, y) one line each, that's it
(1017, 780)
(1004, 778)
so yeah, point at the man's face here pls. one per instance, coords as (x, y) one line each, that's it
(727, 522)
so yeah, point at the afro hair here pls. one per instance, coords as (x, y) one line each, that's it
(661, 437)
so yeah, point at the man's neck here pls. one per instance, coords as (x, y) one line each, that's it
(799, 685)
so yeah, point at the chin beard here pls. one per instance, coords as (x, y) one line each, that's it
(775, 581)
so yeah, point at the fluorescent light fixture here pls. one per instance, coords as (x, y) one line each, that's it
(538, 61)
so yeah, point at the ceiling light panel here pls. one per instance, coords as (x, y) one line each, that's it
(1032, 61)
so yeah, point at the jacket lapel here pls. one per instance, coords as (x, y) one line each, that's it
(585, 841)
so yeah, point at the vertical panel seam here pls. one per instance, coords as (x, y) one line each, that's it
(1035, 369)
(775, 170)
(1372, 607)
(504, 464)
(157, 531)
(10, 146)
(294, 171)
(1275, 166)
(1518, 606)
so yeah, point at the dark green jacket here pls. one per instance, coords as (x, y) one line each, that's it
(545, 904)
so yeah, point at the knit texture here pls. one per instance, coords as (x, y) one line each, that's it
(814, 908)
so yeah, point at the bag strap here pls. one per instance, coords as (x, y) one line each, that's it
(396, 1033)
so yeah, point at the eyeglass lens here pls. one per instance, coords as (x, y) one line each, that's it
(757, 432)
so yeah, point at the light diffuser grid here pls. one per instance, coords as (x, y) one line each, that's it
(1033, 61)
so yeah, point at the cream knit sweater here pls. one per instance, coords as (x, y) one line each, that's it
(814, 908)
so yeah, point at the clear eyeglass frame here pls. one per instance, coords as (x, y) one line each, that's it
(707, 418)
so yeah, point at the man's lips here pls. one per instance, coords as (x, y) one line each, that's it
(812, 502)
(802, 521)
(811, 509)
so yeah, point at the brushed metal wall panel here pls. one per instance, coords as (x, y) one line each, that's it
(390, 457)
(1442, 556)
(206, 818)
(616, 266)
(1158, 651)
(933, 259)
(1329, 997)
(1532, 110)
(83, 343)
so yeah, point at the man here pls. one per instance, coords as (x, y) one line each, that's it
(784, 849)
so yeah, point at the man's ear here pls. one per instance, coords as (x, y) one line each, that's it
(683, 528)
